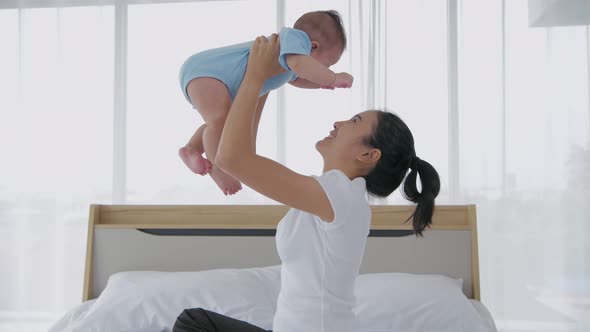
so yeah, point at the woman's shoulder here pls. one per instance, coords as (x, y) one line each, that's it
(348, 199)
(338, 187)
(338, 178)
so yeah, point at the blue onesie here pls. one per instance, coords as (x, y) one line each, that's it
(228, 64)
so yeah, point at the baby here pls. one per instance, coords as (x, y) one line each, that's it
(210, 81)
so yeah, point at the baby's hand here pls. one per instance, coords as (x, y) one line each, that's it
(343, 80)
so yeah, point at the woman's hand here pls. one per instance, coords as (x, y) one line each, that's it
(263, 59)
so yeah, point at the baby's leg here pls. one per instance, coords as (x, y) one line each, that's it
(192, 153)
(211, 98)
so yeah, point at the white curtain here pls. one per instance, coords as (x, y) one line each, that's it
(524, 128)
(56, 90)
(521, 116)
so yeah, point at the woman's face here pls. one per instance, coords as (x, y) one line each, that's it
(346, 141)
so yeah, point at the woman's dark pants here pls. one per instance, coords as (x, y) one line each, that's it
(201, 320)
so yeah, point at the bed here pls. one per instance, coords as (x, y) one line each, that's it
(145, 263)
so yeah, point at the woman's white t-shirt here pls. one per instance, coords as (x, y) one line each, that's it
(321, 260)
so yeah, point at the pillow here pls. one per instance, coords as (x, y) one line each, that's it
(151, 301)
(415, 303)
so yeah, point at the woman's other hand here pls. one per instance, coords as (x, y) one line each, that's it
(263, 59)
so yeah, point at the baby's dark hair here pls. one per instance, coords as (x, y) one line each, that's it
(396, 143)
(324, 26)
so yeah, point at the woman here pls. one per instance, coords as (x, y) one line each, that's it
(321, 240)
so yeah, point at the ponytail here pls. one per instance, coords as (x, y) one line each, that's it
(396, 143)
(430, 183)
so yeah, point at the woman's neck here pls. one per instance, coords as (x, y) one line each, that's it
(351, 174)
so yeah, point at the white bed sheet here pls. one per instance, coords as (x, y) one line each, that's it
(80, 311)
(484, 313)
(150, 301)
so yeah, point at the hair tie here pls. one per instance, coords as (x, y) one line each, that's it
(414, 163)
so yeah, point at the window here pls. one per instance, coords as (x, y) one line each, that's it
(160, 120)
(56, 140)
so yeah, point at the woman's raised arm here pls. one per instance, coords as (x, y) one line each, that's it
(236, 155)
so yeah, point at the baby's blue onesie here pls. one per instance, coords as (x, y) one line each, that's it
(228, 64)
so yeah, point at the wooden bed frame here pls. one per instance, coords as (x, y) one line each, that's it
(203, 237)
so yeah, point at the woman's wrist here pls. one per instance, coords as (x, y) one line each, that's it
(253, 79)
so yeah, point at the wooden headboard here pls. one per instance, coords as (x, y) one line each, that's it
(203, 237)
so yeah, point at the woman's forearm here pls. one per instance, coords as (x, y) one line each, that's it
(236, 147)
(237, 139)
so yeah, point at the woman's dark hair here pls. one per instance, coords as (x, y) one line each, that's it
(394, 139)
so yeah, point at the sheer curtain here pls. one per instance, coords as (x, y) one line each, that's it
(56, 93)
(91, 112)
(524, 127)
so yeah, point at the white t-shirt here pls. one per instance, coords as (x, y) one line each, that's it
(321, 260)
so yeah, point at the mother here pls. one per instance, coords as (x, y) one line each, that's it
(321, 240)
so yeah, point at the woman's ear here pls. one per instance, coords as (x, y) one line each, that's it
(314, 45)
(370, 156)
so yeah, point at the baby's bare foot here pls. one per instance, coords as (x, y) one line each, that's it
(225, 182)
(194, 160)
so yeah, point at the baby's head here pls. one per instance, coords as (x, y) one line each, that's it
(326, 32)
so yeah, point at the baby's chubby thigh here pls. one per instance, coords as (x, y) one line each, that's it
(211, 98)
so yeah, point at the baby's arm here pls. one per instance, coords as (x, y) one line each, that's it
(302, 83)
(313, 71)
